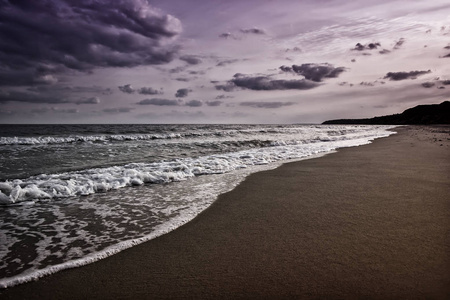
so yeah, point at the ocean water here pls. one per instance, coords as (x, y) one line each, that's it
(74, 194)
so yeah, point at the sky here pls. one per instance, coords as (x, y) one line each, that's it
(220, 61)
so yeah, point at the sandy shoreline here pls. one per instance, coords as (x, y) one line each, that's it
(366, 222)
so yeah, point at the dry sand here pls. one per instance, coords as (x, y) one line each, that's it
(365, 222)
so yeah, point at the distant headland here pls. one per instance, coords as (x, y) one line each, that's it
(418, 115)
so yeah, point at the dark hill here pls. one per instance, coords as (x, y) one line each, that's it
(419, 115)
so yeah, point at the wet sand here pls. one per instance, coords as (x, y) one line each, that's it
(366, 222)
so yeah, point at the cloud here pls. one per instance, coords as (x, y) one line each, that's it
(182, 93)
(191, 59)
(44, 110)
(295, 49)
(315, 72)
(15, 77)
(177, 70)
(182, 79)
(227, 62)
(260, 104)
(384, 51)
(91, 100)
(399, 43)
(83, 35)
(365, 83)
(197, 72)
(253, 31)
(370, 46)
(150, 91)
(223, 97)
(159, 102)
(66, 111)
(70, 89)
(227, 87)
(428, 84)
(286, 69)
(194, 103)
(405, 75)
(17, 96)
(127, 88)
(265, 83)
(214, 103)
(118, 110)
(226, 35)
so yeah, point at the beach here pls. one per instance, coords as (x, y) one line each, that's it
(365, 222)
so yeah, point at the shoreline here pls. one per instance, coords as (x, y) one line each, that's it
(248, 245)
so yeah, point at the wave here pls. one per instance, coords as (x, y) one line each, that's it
(67, 139)
(100, 180)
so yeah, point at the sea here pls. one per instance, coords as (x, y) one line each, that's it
(74, 194)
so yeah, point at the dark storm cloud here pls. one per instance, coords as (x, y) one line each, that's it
(17, 96)
(159, 102)
(253, 31)
(265, 83)
(260, 104)
(82, 35)
(118, 110)
(286, 69)
(194, 103)
(214, 103)
(150, 91)
(91, 100)
(446, 82)
(127, 88)
(315, 72)
(13, 77)
(405, 75)
(370, 46)
(191, 59)
(182, 79)
(182, 93)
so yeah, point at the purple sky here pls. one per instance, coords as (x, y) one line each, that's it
(220, 61)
